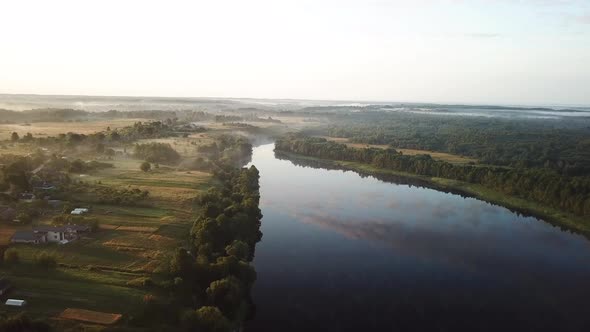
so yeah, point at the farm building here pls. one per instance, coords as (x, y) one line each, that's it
(57, 234)
(28, 237)
(79, 211)
(60, 233)
(16, 303)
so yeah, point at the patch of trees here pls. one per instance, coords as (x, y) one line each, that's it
(107, 195)
(79, 166)
(14, 170)
(96, 141)
(131, 197)
(42, 115)
(227, 150)
(228, 118)
(22, 323)
(156, 153)
(214, 278)
(568, 193)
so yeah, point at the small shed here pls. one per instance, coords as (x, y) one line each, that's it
(16, 303)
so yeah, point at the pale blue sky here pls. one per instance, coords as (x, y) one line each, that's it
(479, 51)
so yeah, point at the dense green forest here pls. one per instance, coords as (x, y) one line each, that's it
(558, 144)
(568, 193)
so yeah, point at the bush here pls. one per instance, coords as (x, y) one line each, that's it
(141, 282)
(46, 260)
(206, 319)
(24, 218)
(145, 166)
(11, 256)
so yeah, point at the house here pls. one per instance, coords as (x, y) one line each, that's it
(61, 233)
(16, 303)
(56, 234)
(27, 196)
(5, 286)
(28, 237)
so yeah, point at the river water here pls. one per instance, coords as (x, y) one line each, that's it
(343, 252)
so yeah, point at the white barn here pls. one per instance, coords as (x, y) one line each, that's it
(16, 303)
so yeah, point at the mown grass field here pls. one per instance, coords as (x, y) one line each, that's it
(448, 157)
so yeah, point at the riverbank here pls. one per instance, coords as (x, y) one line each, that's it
(551, 215)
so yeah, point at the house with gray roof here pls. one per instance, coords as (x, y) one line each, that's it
(57, 234)
(28, 237)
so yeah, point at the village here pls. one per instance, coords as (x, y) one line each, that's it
(82, 225)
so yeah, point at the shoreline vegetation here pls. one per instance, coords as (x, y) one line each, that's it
(554, 216)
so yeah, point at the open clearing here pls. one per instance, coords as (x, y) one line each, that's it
(451, 158)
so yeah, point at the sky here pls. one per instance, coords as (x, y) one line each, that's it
(512, 52)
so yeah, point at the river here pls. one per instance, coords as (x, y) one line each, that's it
(343, 252)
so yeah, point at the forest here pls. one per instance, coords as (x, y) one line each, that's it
(560, 144)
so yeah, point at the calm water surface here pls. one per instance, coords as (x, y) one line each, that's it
(341, 252)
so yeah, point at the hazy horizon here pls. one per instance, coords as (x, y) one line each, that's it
(340, 102)
(530, 52)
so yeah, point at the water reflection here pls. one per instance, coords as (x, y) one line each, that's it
(343, 251)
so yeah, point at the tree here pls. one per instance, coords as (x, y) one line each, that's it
(238, 249)
(67, 208)
(226, 294)
(181, 264)
(100, 148)
(11, 256)
(14, 137)
(109, 152)
(24, 218)
(156, 153)
(77, 166)
(28, 137)
(205, 319)
(145, 166)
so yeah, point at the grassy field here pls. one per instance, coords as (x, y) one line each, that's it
(451, 158)
(44, 129)
(131, 242)
(49, 292)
